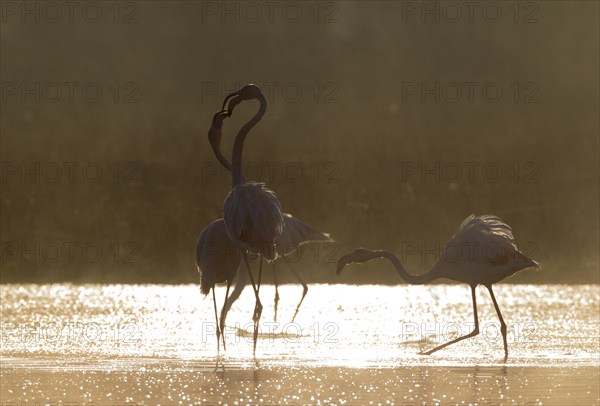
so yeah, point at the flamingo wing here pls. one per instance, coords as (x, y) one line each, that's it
(296, 233)
(486, 239)
(217, 258)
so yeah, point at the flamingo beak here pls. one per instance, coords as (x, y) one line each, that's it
(214, 133)
(232, 103)
(343, 261)
(229, 96)
(217, 121)
(358, 256)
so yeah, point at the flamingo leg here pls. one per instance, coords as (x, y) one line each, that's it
(260, 263)
(237, 291)
(276, 291)
(502, 323)
(304, 287)
(258, 306)
(216, 321)
(471, 334)
(222, 323)
(257, 309)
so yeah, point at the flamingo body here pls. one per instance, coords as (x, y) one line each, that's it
(217, 258)
(253, 218)
(482, 252)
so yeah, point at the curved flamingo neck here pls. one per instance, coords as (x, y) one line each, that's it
(237, 177)
(221, 158)
(216, 147)
(427, 277)
(226, 164)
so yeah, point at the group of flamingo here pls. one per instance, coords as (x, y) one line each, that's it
(254, 225)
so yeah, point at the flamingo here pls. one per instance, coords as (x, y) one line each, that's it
(295, 232)
(475, 264)
(217, 258)
(251, 211)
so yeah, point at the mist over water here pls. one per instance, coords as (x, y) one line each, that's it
(384, 128)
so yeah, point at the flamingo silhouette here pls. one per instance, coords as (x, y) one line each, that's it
(481, 252)
(218, 260)
(295, 233)
(252, 212)
(216, 257)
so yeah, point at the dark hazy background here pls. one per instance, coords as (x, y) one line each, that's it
(341, 155)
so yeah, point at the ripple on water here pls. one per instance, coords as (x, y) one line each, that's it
(349, 345)
(337, 324)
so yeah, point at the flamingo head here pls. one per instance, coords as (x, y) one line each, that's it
(219, 117)
(249, 91)
(214, 134)
(359, 255)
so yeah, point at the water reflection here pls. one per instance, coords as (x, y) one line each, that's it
(351, 344)
(357, 326)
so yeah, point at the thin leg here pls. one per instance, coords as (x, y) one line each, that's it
(502, 323)
(240, 284)
(258, 306)
(258, 303)
(260, 263)
(304, 287)
(222, 323)
(257, 309)
(216, 321)
(471, 334)
(276, 291)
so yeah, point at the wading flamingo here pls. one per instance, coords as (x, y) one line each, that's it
(252, 212)
(481, 252)
(295, 232)
(217, 258)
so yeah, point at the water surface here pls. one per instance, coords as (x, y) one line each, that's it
(155, 344)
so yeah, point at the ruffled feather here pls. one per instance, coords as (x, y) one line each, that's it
(253, 218)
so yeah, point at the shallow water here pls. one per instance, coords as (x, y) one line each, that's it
(349, 344)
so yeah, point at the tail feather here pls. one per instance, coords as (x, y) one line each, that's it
(296, 233)
(527, 262)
